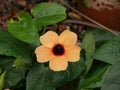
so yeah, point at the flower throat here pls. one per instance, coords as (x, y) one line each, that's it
(58, 49)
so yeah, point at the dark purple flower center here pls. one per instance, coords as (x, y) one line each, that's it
(58, 49)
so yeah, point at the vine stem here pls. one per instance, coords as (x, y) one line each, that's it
(93, 21)
(82, 22)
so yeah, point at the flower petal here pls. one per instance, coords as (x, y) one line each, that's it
(49, 39)
(58, 63)
(73, 53)
(67, 38)
(43, 54)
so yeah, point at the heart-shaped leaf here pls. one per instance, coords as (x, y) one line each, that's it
(48, 13)
(24, 29)
(110, 51)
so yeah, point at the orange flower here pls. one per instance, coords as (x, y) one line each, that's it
(58, 50)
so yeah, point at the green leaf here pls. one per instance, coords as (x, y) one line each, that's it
(48, 13)
(10, 46)
(112, 80)
(2, 80)
(18, 63)
(75, 69)
(24, 29)
(101, 36)
(13, 76)
(42, 78)
(39, 78)
(110, 51)
(88, 44)
(95, 77)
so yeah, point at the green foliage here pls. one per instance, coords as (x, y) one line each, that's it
(42, 78)
(95, 77)
(13, 76)
(20, 65)
(110, 51)
(100, 35)
(24, 29)
(39, 78)
(112, 79)
(0, 71)
(48, 13)
(11, 46)
(75, 69)
(98, 67)
(2, 80)
(88, 44)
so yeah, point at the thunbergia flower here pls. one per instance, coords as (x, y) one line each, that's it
(58, 50)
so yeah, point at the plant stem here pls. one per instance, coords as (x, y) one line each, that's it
(97, 23)
(82, 22)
